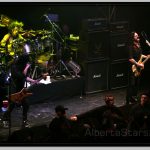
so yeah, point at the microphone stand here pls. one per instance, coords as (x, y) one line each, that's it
(60, 62)
(9, 101)
(53, 26)
(145, 37)
(8, 82)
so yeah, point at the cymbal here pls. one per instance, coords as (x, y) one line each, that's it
(44, 57)
(28, 33)
(2, 25)
(5, 21)
(2, 50)
(43, 32)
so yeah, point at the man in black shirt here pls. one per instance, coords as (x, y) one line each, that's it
(110, 116)
(140, 114)
(19, 70)
(60, 126)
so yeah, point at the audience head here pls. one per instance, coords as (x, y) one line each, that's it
(145, 99)
(60, 110)
(109, 100)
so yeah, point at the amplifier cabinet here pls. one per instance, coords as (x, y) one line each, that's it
(118, 46)
(118, 76)
(96, 76)
(94, 45)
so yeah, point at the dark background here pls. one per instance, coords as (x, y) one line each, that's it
(72, 14)
(31, 14)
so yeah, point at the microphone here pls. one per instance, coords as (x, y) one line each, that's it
(145, 37)
(45, 15)
(148, 43)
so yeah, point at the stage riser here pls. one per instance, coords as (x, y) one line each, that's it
(56, 90)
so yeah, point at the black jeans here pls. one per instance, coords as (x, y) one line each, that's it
(133, 86)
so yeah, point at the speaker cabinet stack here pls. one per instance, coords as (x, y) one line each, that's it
(118, 55)
(94, 53)
(103, 54)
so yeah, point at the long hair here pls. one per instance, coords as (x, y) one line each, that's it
(22, 59)
(131, 39)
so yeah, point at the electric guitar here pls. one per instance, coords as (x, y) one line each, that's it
(136, 70)
(19, 96)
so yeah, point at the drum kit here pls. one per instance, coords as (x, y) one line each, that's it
(39, 44)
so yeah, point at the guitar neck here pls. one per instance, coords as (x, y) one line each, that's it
(146, 59)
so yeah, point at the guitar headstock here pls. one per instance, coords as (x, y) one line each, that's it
(148, 56)
(24, 90)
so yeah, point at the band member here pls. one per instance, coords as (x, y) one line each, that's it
(139, 118)
(135, 54)
(19, 69)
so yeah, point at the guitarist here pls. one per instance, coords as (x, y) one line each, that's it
(19, 69)
(135, 53)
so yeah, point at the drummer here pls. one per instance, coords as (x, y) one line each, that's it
(8, 40)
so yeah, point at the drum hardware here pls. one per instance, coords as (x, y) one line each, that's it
(28, 34)
(5, 21)
(17, 46)
(60, 67)
(75, 67)
(34, 73)
(43, 33)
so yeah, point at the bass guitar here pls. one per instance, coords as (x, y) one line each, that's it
(19, 96)
(136, 70)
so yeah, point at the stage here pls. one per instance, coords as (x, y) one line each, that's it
(59, 88)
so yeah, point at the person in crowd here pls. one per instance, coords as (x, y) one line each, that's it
(135, 66)
(60, 126)
(139, 118)
(110, 116)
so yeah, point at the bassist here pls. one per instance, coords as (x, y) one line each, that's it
(19, 69)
